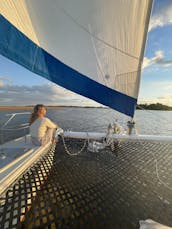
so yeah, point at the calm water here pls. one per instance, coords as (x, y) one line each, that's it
(97, 119)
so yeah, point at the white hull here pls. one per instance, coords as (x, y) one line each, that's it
(16, 166)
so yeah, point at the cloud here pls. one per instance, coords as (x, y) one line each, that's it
(3, 80)
(165, 99)
(158, 59)
(163, 86)
(163, 16)
(1, 83)
(48, 94)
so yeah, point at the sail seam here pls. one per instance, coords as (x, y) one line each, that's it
(95, 37)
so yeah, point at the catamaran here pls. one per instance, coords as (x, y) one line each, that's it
(94, 48)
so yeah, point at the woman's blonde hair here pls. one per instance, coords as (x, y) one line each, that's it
(35, 115)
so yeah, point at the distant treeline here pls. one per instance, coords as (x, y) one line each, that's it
(154, 106)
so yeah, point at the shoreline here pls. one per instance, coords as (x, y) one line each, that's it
(8, 108)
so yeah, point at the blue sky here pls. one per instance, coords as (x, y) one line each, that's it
(156, 83)
(18, 85)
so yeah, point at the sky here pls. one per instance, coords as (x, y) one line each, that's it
(19, 86)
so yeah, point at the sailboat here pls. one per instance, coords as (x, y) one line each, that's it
(94, 48)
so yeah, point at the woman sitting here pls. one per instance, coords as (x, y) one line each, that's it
(41, 128)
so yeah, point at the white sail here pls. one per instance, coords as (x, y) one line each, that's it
(94, 47)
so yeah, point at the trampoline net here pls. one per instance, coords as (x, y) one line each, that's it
(93, 190)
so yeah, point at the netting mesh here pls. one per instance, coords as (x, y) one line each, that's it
(93, 190)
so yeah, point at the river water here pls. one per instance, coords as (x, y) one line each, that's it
(96, 120)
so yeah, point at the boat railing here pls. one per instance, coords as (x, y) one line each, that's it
(6, 126)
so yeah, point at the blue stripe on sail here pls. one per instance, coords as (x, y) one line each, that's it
(17, 47)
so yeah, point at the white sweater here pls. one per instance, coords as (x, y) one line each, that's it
(39, 127)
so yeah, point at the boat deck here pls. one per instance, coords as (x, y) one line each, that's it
(93, 190)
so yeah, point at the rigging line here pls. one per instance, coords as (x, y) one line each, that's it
(95, 37)
(157, 173)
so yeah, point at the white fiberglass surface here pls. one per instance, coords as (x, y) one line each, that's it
(8, 155)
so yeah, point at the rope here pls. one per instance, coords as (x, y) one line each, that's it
(157, 174)
(109, 141)
(68, 152)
